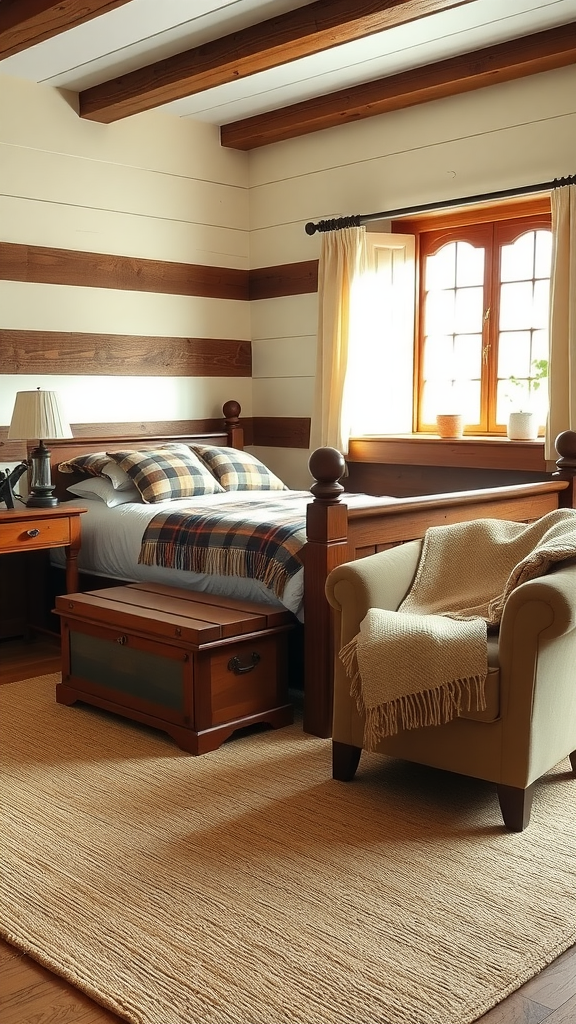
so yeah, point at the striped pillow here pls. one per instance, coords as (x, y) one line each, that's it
(238, 471)
(164, 474)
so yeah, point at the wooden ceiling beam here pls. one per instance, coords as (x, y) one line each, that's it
(517, 58)
(24, 23)
(288, 37)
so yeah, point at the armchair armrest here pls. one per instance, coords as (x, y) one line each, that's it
(381, 580)
(547, 604)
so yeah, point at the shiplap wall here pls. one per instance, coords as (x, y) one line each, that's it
(156, 187)
(151, 187)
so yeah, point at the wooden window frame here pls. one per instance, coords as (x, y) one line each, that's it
(493, 224)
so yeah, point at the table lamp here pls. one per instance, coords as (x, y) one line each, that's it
(38, 414)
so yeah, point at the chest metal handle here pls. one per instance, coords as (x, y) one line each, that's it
(32, 533)
(238, 669)
(122, 640)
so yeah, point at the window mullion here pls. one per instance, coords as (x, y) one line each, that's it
(491, 334)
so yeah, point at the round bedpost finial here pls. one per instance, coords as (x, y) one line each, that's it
(565, 445)
(232, 412)
(327, 465)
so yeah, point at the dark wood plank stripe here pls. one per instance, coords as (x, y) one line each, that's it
(123, 355)
(281, 431)
(286, 279)
(34, 263)
(10, 451)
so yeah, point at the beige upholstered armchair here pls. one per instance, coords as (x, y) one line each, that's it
(529, 724)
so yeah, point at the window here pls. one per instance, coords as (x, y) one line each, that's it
(482, 321)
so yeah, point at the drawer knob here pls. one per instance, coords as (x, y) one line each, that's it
(32, 533)
(235, 665)
(122, 640)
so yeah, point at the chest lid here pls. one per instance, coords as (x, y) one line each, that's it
(170, 612)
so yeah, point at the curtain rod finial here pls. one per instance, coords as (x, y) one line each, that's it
(310, 228)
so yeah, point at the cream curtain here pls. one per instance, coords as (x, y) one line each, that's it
(342, 260)
(562, 367)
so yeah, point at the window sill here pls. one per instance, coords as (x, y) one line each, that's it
(468, 452)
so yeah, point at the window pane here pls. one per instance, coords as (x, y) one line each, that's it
(468, 310)
(514, 354)
(543, 253)
(467, 356)
(451, 396)
(541, 303)
(517, 260)
(441, 268)
(440, 312)
(506, 401)
(516, 301)
(438, 357)
(469, 265)
(469, 400)
(540, 348)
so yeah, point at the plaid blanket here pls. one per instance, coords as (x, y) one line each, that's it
(261, 540)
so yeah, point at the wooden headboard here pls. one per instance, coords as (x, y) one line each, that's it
(63, 449)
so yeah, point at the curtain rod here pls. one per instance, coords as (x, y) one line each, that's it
(355, 220)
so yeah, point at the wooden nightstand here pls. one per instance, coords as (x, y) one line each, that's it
(34, 529)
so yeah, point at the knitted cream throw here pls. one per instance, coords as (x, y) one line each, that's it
(414, 667)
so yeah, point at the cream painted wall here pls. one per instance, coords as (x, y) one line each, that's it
(152, 186)
(523, 132)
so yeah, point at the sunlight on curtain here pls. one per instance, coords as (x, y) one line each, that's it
(342, 260)
(378, 395)
(562, 370)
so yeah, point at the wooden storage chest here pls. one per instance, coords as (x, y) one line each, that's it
(192, 664)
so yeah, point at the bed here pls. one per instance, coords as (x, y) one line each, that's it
(338, 528)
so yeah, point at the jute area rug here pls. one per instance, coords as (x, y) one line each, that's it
(247, 887)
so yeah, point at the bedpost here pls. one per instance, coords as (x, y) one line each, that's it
(235, 432)
(565, 445)
(326, 547)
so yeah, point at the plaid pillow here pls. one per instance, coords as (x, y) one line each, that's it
(91, 465)
(98, 464)
(163, 474)
(238, 471)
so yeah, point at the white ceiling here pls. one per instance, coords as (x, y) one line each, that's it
(145, 31)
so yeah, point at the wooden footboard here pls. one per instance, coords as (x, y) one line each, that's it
(337, 534)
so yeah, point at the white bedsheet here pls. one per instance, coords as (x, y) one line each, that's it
(111, 539)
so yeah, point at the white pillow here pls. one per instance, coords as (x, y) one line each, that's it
(119, 477)
(103, 489)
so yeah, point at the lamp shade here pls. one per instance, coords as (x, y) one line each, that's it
(37, 415)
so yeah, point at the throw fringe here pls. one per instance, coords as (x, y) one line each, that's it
(436, 706)
(218, 561)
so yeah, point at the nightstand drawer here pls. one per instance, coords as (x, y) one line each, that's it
(34, 533)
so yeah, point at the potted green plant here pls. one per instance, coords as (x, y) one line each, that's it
(523, 421)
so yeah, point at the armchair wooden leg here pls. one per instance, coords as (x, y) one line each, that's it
(515, 805)
(345, 760)
(573, 761)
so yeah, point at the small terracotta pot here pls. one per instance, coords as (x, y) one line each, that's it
(450, 425)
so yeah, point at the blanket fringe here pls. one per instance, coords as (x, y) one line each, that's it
(436, 706)
(219, 561)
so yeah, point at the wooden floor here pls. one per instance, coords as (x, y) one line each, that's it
(29, 994)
